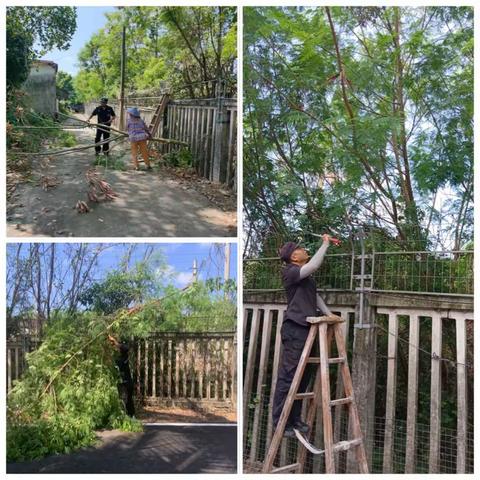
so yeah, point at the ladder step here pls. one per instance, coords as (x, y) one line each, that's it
(301, 396)
(286, 468)
(336, 360)
(313, 360)
(341, 401)
(347, 445)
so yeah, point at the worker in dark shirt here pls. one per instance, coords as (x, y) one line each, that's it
(105, 115)
(302, 302)
(125, 387)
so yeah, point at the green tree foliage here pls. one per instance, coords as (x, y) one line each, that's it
(70, 387)
(65, 88)
(57, 406)
(120, 289)
(359, 117)
(172, 45)
(33, 31)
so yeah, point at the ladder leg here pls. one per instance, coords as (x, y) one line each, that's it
(326, 409)
(287, 407)
(352, 407)
(310, 418)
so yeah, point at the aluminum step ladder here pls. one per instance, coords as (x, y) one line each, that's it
(327, 328)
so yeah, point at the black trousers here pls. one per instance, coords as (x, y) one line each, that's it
(293, 341)
(125, 391)
(105, 133)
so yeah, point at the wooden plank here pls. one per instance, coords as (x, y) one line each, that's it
(212, 151)
(224, 369)
(435, 395)
(177, 369)
(262, 373)
(169, 369)
(250, 365)
(208, 136)
(192, 369)
(183, 353)
(145, 385)
(201, 373)
(201, 140)
(339, 391)
(217, 372)
(160, 380)
(233, 372)
(231, 144)
(139, 380)
(17, 366)
(276, 363)
(326, 411)
(461, 328)
(412, 394)
(193, 111)
(208, 374)
(391, 392)
(360, 453)
(154, 369)
(9, 369)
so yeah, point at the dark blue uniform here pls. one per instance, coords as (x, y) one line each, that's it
(125, 387)
(104, 114)
(301, 303)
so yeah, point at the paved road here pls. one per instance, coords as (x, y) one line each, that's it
(149, 204)
(159, 449)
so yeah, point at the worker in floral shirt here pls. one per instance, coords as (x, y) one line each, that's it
(138, 133)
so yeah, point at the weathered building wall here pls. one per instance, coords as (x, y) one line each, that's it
(40, 87)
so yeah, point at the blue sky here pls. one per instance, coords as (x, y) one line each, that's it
(89, 21)
(179, 257)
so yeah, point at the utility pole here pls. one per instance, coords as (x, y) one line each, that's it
(226, 272)
(195, 270)
(122, 79)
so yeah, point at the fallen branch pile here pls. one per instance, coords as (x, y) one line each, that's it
(97, 188)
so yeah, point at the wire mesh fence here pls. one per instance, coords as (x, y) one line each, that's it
(255, 448)
(446, 272)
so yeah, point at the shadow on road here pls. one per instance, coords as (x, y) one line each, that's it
(158, 449)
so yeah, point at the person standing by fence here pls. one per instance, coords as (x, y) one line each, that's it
(302, 302)
(105, 115)
(138, 133)
(125, 386)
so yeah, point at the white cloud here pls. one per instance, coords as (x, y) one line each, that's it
(182, 279)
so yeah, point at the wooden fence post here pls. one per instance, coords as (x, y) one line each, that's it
(220, 134)
(435, 395)
(364, 374)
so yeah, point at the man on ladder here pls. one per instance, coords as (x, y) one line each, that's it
(301, 326)
(302, 301)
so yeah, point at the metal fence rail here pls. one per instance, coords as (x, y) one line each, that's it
(445, 272)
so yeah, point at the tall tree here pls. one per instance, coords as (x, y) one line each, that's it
(33, 31)
(346, 115)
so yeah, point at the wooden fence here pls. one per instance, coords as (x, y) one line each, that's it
(170, 368)
(178, 368)
(209, 126)
(16, 352)
(390, 448)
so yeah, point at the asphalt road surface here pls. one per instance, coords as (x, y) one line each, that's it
(158, 449)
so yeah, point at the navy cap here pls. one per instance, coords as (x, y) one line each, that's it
(286, 251)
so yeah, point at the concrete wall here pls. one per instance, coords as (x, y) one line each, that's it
(40, 87)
